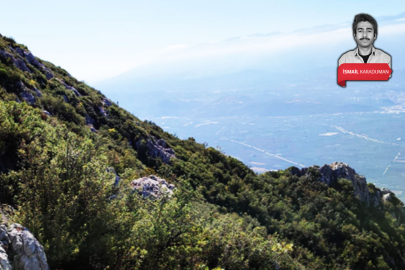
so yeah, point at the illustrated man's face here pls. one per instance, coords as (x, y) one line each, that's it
(365, 34)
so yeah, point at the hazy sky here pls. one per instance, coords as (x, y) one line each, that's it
(95, 40)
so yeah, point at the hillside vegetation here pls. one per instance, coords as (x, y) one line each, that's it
(58, 137)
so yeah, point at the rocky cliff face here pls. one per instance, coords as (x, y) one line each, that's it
(330, 174)
(337, 170)
(22, 58)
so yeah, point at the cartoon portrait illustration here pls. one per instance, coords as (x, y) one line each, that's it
(365, 31)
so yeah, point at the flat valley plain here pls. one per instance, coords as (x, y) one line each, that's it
(274, 121)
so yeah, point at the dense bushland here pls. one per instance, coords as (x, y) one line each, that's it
(53, 171)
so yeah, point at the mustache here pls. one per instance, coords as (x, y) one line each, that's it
(365, 38)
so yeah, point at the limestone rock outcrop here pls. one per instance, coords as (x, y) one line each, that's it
(20, 250)
(157, 149)
(337, 170)
(25, 92)
(152, 186)
(106, 102)
(19, 63)
(330, 174)
(28, 97)
(74, 90)
(33, 61)
(22, 57)
(103, 112)
(386, 194)
(376, 199)
(89, 120)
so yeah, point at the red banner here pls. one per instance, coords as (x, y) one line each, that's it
(363, 72)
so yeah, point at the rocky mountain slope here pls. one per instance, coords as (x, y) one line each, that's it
(59, 139)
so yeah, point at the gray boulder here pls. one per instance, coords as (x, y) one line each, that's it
(4, 260)
(152, 187)
(5, 263)
(47, 113)
(28, 253)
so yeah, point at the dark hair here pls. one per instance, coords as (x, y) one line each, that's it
(362, 17)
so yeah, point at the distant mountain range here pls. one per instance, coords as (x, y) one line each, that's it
(293, 53)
